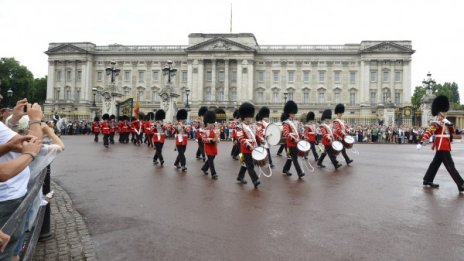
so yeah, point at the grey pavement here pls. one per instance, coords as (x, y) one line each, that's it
(375, 209)
(71, 239)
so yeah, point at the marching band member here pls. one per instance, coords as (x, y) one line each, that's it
(246, 136)
(283, 146)
(159, 136)
(96, 128)
(137, 128)
(327, 138)
(119, 128)
(112, 124)
(442, 128)
(236, 146)
(125, 129)
(148, 128)
(292, 136)
(262, 119)
(339, 129)
(310, 133)
(200, 151)
(105, 129)
(210, 140)
(180, 131)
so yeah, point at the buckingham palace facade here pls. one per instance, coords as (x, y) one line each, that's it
(372, 78)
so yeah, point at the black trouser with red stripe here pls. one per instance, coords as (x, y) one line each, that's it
(180, 155)
(250, 166)
(294, 159)
(445, 158)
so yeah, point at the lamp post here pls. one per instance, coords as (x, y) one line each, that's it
(114, 72)
(428, 83)
(9, 94)
(169, 71)
(187, 105)
(94, 92)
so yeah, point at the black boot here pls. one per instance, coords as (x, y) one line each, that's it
(430, 184)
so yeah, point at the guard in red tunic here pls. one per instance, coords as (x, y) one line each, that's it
(210, 138)
(96, 128)
(339, 129)
(246, 135)
(113, 126)
(106, 129)
(159, 136)
(262, 120)
(119, 129)
(181, 131)
(148, 128)
(137, 128)
(200, 151)
(292, 136)
(233, 125)
(442, 128)
(327, 138)
(310, 133)
(125, 129)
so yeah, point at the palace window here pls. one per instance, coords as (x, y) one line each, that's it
(77, 95)
(67, 93)
(126, 91)
(337, 76)
(386, 76)
(306, 76)
(155, 76)
(141, 76)
(68, 76)
(352, 98)
(208, 94)
(260, 76)
(233, 95)
(275, 96)
(321, 99)
(373, 97)
(209, 76)
(99, 76)
(221, 76)
(373, 76)
(386, 96)
(291, 76)
(398, 76)
(275, 76)
(155, 95)
(397, 98)
(352, 77)
(127, 76)
(290, 96)
(184, 76)
(233, 76)
(79, 76)
(337, 98)
(306, 97)
(259, 96)
(220, 94)
(321, 76)
(58, 76)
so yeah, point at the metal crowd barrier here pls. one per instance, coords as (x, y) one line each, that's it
(41, 227)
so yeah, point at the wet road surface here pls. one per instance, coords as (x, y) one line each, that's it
(375, 209)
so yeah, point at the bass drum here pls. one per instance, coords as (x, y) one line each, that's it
(335, 148)
(348, 142)
(303, 148)
(273, 134)
(259, 155)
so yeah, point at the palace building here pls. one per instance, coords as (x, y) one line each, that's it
(372, 78)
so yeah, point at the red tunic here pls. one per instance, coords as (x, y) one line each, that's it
(95, 127)
(290, 133)
(181, 139)
(159, 133)
(112, 125)
(339, 129)
(327, 136)
(310, 132)
(260, 129)
(245, 138)
(442, 135)
(105, 127)
(210, 145)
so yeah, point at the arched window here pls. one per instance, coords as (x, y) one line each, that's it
(306, 95)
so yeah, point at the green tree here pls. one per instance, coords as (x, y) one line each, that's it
(450, 90)
(20, 80)
(416, 98)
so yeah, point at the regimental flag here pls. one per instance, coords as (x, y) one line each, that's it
(137, 108)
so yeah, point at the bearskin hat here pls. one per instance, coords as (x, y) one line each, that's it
(209, 117)
(96, 118)
(105, 116)
(258, 116)
(264, 112)
(150, 116)
(310, 116)
(236, 115)
(246, 110)
(326, 115)
(283, 117)
(202, 111)
(141, 116)
(181, 115)
(440, 104)
(291, 107)
(112, 117)
(340, 108)
(160, 115)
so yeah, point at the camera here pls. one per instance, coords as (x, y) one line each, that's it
(25, 108)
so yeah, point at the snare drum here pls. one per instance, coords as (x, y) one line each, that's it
(273, 134)
(259, 155)
(335, 148)
(303, 148)
(348, 142)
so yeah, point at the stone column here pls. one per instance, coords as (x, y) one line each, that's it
(364, 82)
(213, 81)
(406, 80)
(190, 80)
(226, 80)
(51, 81)
(250, 87)
(240, 97)
(200, 87)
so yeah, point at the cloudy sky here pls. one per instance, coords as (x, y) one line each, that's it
(435, 28)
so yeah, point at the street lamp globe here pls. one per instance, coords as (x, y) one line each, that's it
(9, 93)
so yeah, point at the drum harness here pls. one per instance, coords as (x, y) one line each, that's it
(250, 134)
(353, 150)
(305, 163)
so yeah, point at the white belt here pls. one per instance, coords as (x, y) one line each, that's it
(442, 136)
